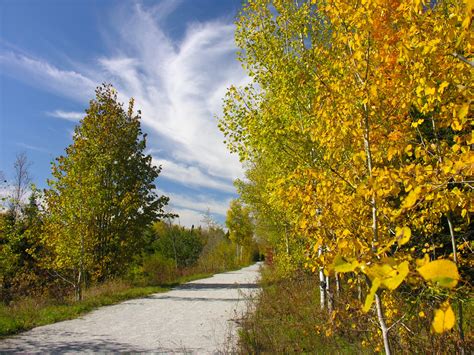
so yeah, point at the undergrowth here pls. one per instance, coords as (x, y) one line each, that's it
(29, 312)
(286, 317)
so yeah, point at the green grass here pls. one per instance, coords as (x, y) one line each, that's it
(29, 313)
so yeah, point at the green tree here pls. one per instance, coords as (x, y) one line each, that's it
(102, 195)
(240, 226)
(181, 244)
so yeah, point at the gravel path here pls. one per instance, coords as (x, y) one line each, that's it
(196, 317)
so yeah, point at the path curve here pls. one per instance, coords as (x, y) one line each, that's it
(196, 317)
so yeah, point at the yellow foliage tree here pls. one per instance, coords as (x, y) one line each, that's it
(364, 110)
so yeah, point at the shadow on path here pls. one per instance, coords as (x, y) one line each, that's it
(215, 286)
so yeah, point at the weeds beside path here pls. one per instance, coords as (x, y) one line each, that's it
(194, 316)
(33, 312)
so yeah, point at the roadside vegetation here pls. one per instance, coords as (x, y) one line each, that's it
(99, 234)
(356, 134)
(287, 317)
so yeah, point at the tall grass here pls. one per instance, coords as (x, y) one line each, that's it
(287, 317)
(157, 274)
(30, 312)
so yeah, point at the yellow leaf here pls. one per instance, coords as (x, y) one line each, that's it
(341, 265)
(389, 276)
(463, 111)
(430, 90)
(411, 199)
(443, 85)
(456, 125)
(442, 271)
(443, 318)
(371, 295)
(403, 235)
(397, 276)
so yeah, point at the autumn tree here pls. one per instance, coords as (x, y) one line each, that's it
(240, 226)
(362, 110)
(102, 194)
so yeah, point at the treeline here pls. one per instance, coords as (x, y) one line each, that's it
(100, 219)
(357, 135)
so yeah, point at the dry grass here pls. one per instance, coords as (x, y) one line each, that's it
(286, 318)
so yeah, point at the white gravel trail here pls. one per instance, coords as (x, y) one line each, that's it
(197, 317)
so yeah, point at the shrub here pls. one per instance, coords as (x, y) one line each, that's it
(158, 269)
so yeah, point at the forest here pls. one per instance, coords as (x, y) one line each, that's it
(356, 132)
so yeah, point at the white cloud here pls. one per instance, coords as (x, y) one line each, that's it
(187, 217)
(67, 115)
(39, 73)
(178, 84)
(199, 203)
(191, 176)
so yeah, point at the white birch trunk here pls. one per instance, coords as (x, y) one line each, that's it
(322, 283)
(329, 295)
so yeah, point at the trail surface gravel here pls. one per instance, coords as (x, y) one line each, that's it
(196, 317)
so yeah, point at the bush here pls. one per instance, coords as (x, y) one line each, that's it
(286, 318)
(221, 257)
(158, 269)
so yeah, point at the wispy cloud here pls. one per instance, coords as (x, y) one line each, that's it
(40, 73)
(199, 203)
(67, 115)
(177, 83)
(33, 147)
(191, 176)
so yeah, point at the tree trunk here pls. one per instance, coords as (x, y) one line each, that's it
(383, 326)
(329, 295)
(455, 257)
(78, 287)
(375, 228)
(322, 282)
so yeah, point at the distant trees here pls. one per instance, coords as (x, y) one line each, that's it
(102, 194)
(20, 229)
(21, 182)
(240, 226)
(182, 245)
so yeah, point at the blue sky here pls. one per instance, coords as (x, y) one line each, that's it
(175, 57)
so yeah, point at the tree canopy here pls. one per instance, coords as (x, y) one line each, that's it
(102, 193)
